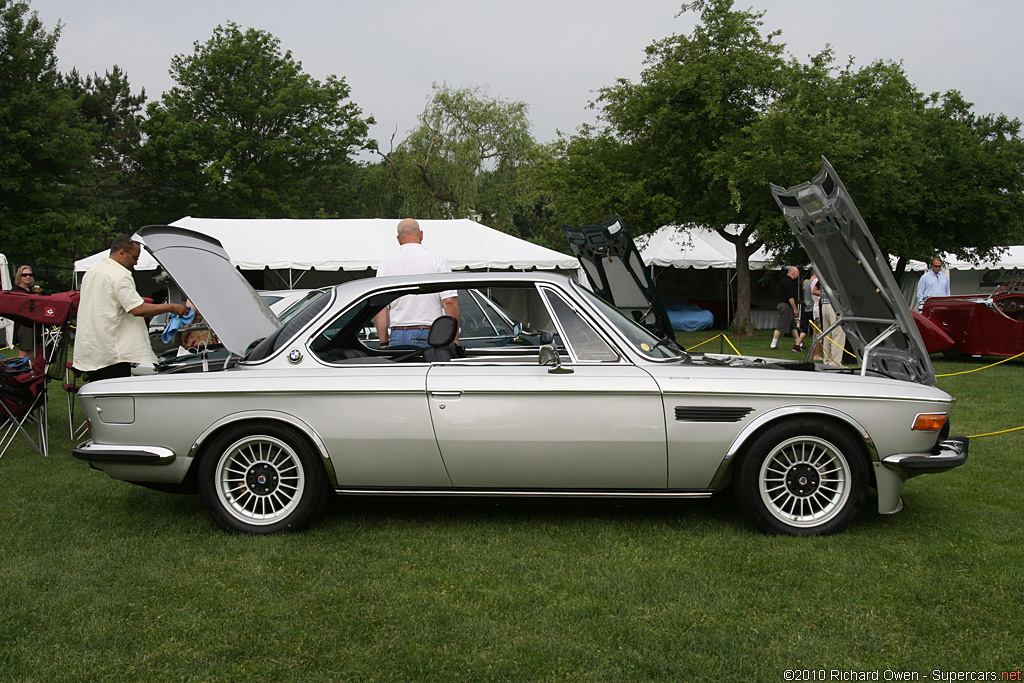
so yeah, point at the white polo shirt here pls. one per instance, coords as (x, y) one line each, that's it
(415, 309)
(107, 332)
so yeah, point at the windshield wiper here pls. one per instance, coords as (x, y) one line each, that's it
(670, 342)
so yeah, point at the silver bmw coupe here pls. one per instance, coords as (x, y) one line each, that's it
(575, 392)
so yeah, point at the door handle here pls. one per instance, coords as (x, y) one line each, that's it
(445, 395)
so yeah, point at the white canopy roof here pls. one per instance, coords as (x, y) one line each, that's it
(358, 244)
(672, 246)
(1012, 258)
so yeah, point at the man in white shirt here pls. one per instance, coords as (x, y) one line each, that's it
(410, 317)
(932, 283)
(111, 334)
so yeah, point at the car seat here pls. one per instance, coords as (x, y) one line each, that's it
(441, 339)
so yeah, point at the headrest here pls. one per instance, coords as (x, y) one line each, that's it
(443, 331)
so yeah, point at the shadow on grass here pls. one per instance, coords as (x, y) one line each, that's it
(390, 510)
(139, 509)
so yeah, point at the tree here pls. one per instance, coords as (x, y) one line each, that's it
(109, 189)
(246, 134)
(45, 145)
(719, 114)
(465, 158)
(652, 161)
(925, 172)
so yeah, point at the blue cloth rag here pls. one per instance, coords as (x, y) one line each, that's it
(175, 323)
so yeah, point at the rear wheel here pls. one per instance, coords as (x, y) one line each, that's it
(262, 479)
(803, 477)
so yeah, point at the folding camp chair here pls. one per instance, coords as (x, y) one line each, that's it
(23, 382)
(72, 376)
(23, 403)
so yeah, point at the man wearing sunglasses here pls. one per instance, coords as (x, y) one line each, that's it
(932, 283)
(112, 334)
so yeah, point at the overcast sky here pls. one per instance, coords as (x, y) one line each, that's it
(551, 54)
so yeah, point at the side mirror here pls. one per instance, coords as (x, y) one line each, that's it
(549, 355)
(517, 329)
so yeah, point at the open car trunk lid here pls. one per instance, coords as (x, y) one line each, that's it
(856, 275)
(199, 265)
(617, 274)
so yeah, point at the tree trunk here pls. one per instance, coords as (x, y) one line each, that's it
(744, 325)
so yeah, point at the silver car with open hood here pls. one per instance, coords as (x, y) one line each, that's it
(579, 401)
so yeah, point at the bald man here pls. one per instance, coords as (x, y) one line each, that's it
(407, 321)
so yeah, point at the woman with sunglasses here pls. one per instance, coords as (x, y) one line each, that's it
(28, 343)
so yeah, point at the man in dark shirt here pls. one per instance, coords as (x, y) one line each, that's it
(787, 309)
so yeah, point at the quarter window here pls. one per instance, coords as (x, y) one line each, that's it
(583, 340)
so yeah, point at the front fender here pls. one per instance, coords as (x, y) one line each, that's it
(777, 414)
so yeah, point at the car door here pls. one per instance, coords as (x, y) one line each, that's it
(595, 423)
(371, 415)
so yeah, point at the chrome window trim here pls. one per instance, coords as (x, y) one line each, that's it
(543, 288)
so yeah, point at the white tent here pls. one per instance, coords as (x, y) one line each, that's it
(6, 326)
(702, 248)
(357, 245)
(672, 247)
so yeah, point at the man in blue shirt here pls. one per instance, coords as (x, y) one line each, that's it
(932, 283)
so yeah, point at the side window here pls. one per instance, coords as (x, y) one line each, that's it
(583, 340)
(334, 336)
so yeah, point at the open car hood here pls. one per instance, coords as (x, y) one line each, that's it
(617, 274)
(875, 317)
(199, 265)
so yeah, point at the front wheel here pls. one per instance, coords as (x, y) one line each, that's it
(262, 479)
(803, 477)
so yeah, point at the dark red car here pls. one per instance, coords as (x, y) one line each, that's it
(981, 324)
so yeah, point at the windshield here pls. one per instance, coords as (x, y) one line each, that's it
(641, 340)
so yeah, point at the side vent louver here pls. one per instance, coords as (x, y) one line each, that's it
(710, 414)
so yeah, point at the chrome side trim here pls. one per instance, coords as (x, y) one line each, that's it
(541, 493)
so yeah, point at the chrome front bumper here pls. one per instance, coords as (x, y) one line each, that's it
(947, 454)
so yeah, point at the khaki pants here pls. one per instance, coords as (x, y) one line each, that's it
(835, 343)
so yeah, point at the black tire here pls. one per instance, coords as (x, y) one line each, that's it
(802, 477)
(262, 478)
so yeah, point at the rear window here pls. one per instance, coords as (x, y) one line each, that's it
(314, 304)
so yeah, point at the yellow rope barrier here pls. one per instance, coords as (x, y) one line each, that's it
(720, 336)
(1003, 431)
(986, 367)
(823, 352)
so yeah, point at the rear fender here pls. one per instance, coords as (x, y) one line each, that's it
(269, 416)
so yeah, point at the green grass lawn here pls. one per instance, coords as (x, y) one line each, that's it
(105, 581)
